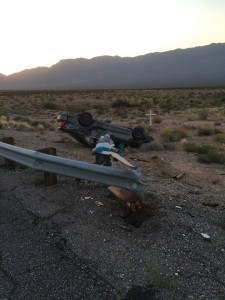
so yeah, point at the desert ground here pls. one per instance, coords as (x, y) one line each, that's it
(174, 248)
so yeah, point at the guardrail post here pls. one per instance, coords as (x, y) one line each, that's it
(49, 178)
(9, 164)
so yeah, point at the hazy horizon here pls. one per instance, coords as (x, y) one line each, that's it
(89, 58)
(41, 33)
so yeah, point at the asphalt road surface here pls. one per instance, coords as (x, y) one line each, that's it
(34, 264)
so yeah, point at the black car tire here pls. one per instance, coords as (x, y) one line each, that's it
(138, 133)
(85, 119)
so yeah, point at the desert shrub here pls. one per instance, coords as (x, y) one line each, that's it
(49, 105)
(217, 123)
(2, 111)
(206, 153)
(4, 119)
(212, 157)
(35, 124)
(148, 128)
(45, 125)
(172, 134)
(205, 131)
(219, 137)
(190, 147)
(217, 131)
(167, 105)
(200, 149)
(203, 114)
(123, 103)
(141, 109)
(144, 102)
(155, 100)
(120, 103)
(157, 120)
(21, 119)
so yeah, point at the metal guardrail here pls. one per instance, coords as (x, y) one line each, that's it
(126, 179)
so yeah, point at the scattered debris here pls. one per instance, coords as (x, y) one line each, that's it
(179, 176)
(99, 203)
(127, 198)
(179, 207)
(86, 198)
(206, 236)
(118, 157)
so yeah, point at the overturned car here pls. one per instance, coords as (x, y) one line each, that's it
(85, 129)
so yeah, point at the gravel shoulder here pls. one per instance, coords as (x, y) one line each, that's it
(173, 249)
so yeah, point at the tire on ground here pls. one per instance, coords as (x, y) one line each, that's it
(138, 133)
(85, 119)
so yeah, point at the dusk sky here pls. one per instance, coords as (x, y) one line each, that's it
(43, 32)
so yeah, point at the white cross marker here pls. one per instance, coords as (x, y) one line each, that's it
(150, 117)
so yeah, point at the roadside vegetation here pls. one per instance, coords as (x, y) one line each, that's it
(21, 123)
(206, 153)
(181, 116)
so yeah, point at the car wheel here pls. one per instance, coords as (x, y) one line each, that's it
(138, 133)
(85, 119)
(88, 139)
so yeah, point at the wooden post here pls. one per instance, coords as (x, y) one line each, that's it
(9, 164)
(49, 178)
(150, 117)
(128, 199)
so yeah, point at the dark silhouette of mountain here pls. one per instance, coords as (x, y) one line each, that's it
(194, 67)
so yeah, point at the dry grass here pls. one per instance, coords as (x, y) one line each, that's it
(186, 110)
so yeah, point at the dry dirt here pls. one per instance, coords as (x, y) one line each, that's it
(174, 248)
(160, 252)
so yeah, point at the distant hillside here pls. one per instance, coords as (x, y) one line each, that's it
(194, 67)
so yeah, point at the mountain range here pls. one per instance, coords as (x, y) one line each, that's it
(193, 67)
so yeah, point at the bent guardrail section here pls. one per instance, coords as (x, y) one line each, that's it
(126, 179)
